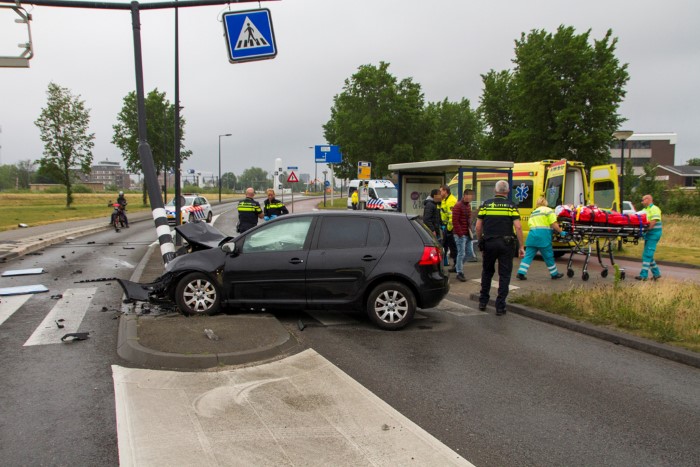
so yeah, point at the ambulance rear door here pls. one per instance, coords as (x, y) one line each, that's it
(555, 183)
(604, 189)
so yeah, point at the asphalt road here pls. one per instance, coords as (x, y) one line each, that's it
(497, 390)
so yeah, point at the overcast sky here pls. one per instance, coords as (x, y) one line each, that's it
(276, 108)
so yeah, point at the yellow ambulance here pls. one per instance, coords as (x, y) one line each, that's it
(560, 181)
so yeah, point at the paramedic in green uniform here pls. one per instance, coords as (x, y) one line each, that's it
(542, 221)
(651, 238)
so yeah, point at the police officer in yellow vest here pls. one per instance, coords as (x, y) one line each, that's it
(497, 228)
(542, 221)
(249, 212)
(448, 238)
(651, 238)
(273, 207)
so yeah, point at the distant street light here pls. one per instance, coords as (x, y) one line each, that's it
(227, 134)
(622, 136)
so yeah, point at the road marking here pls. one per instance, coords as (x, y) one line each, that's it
(280, 413)
(494, 284)
(458, 309)
(71, 309)
(10, 304)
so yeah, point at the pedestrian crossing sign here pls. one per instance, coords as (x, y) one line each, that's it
(249, 35)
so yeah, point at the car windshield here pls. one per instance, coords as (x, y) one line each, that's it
(280, 236)
(385, 193)
(186, 201)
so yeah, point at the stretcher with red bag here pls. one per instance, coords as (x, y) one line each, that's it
(589, 226)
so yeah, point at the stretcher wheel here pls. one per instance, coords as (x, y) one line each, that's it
(569, 273)
(604, 273)
(585, 276)
(622, 275)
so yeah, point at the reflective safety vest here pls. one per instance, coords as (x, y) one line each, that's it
(446, 211)
(654, 214)
(274, 208)
(497, 215)
(540, 223)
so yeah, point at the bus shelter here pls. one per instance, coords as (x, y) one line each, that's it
(417, 179)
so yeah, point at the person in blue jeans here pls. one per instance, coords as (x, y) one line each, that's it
(461, 221)
(542, 221)
(651, 238)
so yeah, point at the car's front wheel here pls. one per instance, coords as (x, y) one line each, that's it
(391, 305)
(191, 219)
(196, 294)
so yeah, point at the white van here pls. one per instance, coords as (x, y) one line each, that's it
(374, 194)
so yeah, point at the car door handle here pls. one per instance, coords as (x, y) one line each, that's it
(296, 261)
(368, 258)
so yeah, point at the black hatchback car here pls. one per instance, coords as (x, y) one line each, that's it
(385, 263)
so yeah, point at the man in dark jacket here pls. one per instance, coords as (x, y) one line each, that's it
(249, 212)
(431, 212)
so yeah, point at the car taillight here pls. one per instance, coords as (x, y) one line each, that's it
(431, 256)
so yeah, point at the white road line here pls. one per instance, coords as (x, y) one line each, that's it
(10, 304)
(458, 309)
(71, 309)
(494, 284)
(301, 410)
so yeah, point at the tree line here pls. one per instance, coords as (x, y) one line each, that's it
(559, 100)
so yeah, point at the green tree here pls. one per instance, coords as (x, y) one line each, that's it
(695, 162)
(63, 124)
(160, 133)
(454, 131)
(562, 98)
(649, 185)
(25, 170)
(254, 177)
(496, 111)
(228, 181)
(378, 119)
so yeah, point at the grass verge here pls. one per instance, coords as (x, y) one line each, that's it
(664, 311)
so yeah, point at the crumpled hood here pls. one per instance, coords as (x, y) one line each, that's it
(202, 235)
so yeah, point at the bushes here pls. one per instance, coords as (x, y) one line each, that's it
(679, 201)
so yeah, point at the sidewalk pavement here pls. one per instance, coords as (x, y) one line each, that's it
(174, 341)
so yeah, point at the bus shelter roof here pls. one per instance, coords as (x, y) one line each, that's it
(449, 165)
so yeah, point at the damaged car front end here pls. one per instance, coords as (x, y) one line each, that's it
(192, 280)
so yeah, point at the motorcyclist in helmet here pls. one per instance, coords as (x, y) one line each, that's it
(121, 200)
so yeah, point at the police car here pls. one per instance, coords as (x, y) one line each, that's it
(193, 207)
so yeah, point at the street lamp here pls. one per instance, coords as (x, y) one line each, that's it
(324, 187)
(622, 136)
(227, 134)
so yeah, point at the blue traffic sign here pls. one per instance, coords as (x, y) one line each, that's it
(330, 154)
(249, 35)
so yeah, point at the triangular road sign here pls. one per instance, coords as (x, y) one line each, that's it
(292, 178)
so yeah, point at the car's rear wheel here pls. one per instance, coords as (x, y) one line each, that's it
(209, 218)
(391, 305)
(196, 294)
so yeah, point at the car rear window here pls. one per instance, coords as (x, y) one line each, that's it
(352, 232)
(423, 231)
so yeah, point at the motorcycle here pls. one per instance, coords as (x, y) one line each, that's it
(118, 219)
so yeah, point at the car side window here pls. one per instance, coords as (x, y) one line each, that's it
(281, 236)
(351, 232)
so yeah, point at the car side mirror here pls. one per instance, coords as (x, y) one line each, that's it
(230, 248)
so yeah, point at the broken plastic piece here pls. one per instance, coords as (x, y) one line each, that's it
(21, 290)
(58, 323)
(77, 336)
(57, 296)
(23, 272)
(210, 334)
